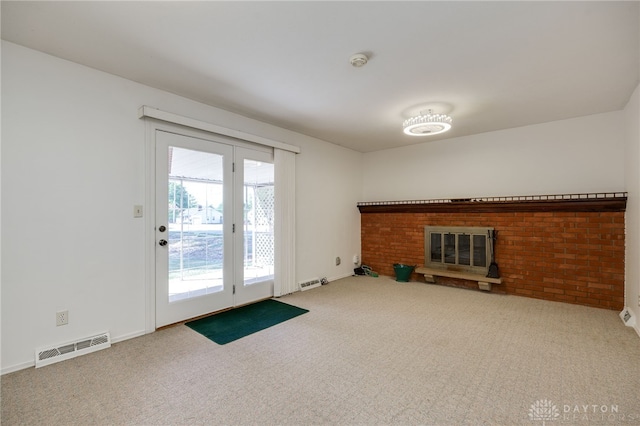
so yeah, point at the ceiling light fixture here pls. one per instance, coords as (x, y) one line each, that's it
(427, 124)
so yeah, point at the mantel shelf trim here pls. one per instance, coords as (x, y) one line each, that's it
(594, 202)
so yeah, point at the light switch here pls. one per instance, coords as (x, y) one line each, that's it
(137, 211)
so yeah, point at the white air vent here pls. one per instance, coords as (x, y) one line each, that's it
(308, 285)
(46, 356)
(627, 317)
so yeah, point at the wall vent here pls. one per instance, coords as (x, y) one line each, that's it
(49, 355)
(628, 318)
(308, 285)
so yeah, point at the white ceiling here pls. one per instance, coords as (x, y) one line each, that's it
(490, 65)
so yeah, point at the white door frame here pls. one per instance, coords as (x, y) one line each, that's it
(150, 200)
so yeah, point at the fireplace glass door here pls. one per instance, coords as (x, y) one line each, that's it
(465, 249)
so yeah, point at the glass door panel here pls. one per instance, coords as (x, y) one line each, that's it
(258, 221)
(193, 186)
(196, 240)
(255, 179)
(450, 248)
(479, 250)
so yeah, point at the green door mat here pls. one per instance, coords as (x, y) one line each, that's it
(232, 325)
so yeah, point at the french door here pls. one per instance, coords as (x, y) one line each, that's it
(214, 226)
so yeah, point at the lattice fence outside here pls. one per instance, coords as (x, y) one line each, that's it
(264, 211)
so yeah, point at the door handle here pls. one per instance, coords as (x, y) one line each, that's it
(162, 228)
(162, 242)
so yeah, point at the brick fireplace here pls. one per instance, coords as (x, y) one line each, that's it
(565, 248)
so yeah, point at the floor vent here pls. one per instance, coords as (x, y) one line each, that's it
(46, 356)
(308, 285)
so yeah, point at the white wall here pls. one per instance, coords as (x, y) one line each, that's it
(584, 154)
(632, 216)
(73, 166)
(328, 189)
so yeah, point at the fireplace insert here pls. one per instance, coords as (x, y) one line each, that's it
(456, 248)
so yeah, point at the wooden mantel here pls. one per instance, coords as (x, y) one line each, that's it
(592, 202)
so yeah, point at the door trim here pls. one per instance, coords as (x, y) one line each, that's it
(212, 129)
(151, 126)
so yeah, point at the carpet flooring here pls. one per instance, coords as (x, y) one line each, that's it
(370, 351)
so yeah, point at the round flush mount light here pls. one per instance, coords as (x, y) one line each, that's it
(427, 124)
(358, 60)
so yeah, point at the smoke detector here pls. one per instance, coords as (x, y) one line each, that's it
(358, 60)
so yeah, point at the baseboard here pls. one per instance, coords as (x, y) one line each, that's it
(339, 277)
(18, 367)
(128, 336)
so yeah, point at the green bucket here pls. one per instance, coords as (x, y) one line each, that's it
(403, 272)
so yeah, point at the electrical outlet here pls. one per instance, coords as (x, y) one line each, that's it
(338, 261)
(62, 318)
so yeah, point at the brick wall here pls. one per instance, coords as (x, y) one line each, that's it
(574, 257)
